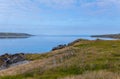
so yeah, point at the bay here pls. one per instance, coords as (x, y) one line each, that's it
(38, 43)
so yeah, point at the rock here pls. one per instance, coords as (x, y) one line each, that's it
(59, 47)
(69, 44)
(78, 40)
(6, 60)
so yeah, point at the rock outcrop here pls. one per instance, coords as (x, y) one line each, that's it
(6, 60)
(59, 47)
(66, 45)
(76, 41)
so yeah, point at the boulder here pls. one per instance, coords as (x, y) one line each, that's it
(7, 59)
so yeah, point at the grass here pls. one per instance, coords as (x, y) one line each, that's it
(96, 75)
(32, 57)
(98, 58)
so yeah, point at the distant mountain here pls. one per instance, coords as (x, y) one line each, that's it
(116, 36)
(14, 35)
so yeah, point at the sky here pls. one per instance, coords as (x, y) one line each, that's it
(60, 16)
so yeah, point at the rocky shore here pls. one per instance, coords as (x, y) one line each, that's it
(66, 45)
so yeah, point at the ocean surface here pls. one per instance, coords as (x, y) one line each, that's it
(37, 44)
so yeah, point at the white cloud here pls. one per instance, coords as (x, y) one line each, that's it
(102, 3)
(101, 7)
(32, 6)
(23, 8)
(56, 3)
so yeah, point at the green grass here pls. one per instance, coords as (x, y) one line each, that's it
(36, 56)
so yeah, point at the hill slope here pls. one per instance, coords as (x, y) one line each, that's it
(83, 59)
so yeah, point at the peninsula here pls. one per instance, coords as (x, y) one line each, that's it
(14, 35)
(115, 36)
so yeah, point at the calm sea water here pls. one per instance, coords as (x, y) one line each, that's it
(36, 44)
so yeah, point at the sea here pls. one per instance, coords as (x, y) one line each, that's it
(38, 43)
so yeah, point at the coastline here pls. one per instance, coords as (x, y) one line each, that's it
(77, 58)
(14, 35)
(58, 47)
(112, 36)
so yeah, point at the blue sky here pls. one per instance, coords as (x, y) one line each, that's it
(60, 16)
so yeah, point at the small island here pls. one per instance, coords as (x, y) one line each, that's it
(114, 36)
(14, 35)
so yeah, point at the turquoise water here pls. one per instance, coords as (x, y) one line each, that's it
(37, 44)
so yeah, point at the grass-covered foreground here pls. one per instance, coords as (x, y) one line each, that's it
(84, 59)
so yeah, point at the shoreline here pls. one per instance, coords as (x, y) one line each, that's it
(111, 36)
(14, 35)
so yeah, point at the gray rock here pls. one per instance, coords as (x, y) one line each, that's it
(7, 60)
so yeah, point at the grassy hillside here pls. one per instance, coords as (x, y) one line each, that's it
(82, 60)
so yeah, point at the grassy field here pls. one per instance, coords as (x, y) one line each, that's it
(98, 59)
